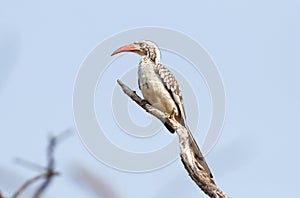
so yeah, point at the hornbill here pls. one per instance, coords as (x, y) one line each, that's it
(160, 88)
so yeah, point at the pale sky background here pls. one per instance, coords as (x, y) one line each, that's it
(255, 45)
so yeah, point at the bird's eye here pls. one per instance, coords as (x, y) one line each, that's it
(142, 45)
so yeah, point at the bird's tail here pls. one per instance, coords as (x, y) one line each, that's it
(194, 147)
(197, 152)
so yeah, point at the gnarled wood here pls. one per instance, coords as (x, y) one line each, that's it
(188, 153)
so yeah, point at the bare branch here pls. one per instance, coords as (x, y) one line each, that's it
(29, 165)
(51, 161)
(49, 170)
(32, 180)
(50, 167)
(194, 168)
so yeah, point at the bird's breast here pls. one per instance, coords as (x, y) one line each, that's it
(154, 90)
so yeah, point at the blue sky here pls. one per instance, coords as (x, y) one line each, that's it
(255, 45)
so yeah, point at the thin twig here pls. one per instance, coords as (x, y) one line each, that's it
(32, 180)
(50, 171)
(51, 160)
(50, 167)
(194, 168)
(29, 165)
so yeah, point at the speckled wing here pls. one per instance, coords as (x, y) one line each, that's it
(172, 86)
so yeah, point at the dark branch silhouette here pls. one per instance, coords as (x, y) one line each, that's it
(32, 180)
(194, 168)
(49, 169)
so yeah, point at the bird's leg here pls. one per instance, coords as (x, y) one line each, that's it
(172, 115)
(144, 103)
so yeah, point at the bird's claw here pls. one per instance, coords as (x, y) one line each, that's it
(172, 115)
(144, 102)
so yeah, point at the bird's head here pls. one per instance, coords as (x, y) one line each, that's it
(143, 48)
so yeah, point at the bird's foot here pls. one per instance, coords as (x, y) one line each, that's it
(172, 115)
(144, 102)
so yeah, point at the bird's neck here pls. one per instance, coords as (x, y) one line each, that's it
(148, 59)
